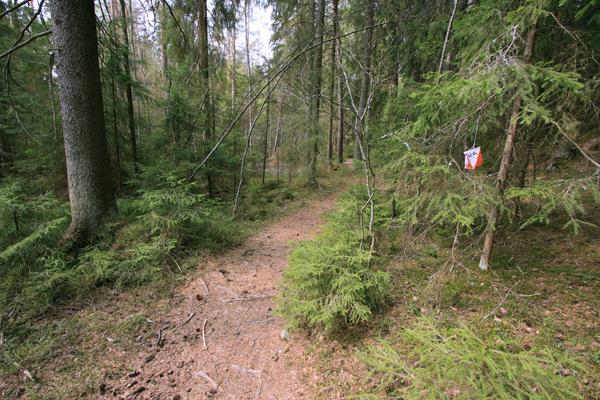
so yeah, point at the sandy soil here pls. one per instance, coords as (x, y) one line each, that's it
(220, 340)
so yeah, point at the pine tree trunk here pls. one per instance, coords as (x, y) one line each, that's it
(163, 37)
(203, 65)
(233, 71)
(248, 65)
(128, 87)
(117, 165)
(488, 242)
(333, 81)
(365, 82)
(316, 93)
(91, 193)
(266, 143)
(340, 85)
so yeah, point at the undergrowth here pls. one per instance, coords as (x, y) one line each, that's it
(153, 229)
(332, 282)
(433, 362)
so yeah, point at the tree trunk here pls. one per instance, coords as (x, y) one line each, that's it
(91, 193)
(316, 93)
(117, 163)
(448, 29)
(248, 65)
(128, 86)
(233, 71)
(365, 82)
(340, 85)
(333, 80)
(266, 143)
(488, 242)
(278, 138)
(232, 55)
(203, 65)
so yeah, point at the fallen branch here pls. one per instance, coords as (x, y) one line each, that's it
(249, 298)
(176, 263)
(188, 318)
(159, 336)
(204, 334)
(508, 293)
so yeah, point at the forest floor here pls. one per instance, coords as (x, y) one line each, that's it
(213, 333)
(218, 337)
(207, 332)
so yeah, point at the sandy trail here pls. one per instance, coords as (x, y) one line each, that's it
(228, 305)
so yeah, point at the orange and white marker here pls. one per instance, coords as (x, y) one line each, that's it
(473, 158)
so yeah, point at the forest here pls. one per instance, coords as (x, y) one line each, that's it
(300, 199)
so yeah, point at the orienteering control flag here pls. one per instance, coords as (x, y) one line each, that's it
(473, 158)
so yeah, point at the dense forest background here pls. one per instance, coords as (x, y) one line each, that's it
(164, 134)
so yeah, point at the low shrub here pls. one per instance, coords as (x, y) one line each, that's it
(456, 363)
(138, 248)
(330, 282)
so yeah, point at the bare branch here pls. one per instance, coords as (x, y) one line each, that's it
(25, 43)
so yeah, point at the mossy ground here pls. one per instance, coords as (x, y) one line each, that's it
(542, 291)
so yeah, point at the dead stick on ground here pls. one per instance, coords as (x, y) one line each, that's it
(204, 284)
(204, 334)
(507, 293)
(249, 298)
(159, 336)
(188, 318)
(203, 374)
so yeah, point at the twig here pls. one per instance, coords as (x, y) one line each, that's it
(249, 298)
(159, 336)
(244, 370)
(204, 284)
(258, 321)
(562, 132)
(204, 334)
(211, 382)
(188, 318)
(176, 263)
(13, 8)
(508, 292)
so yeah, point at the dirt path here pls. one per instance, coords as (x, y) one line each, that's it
(228, 306)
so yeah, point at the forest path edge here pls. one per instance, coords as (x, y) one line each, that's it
(219, 338)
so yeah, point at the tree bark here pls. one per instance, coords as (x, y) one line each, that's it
(248, 65)
(365, 82)
(488, 242)
(266, 138)
(91, 193)
(448, 29)
(128, 87)
(203, 65)
(316, 93)
(340, 85)
(332, 61)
